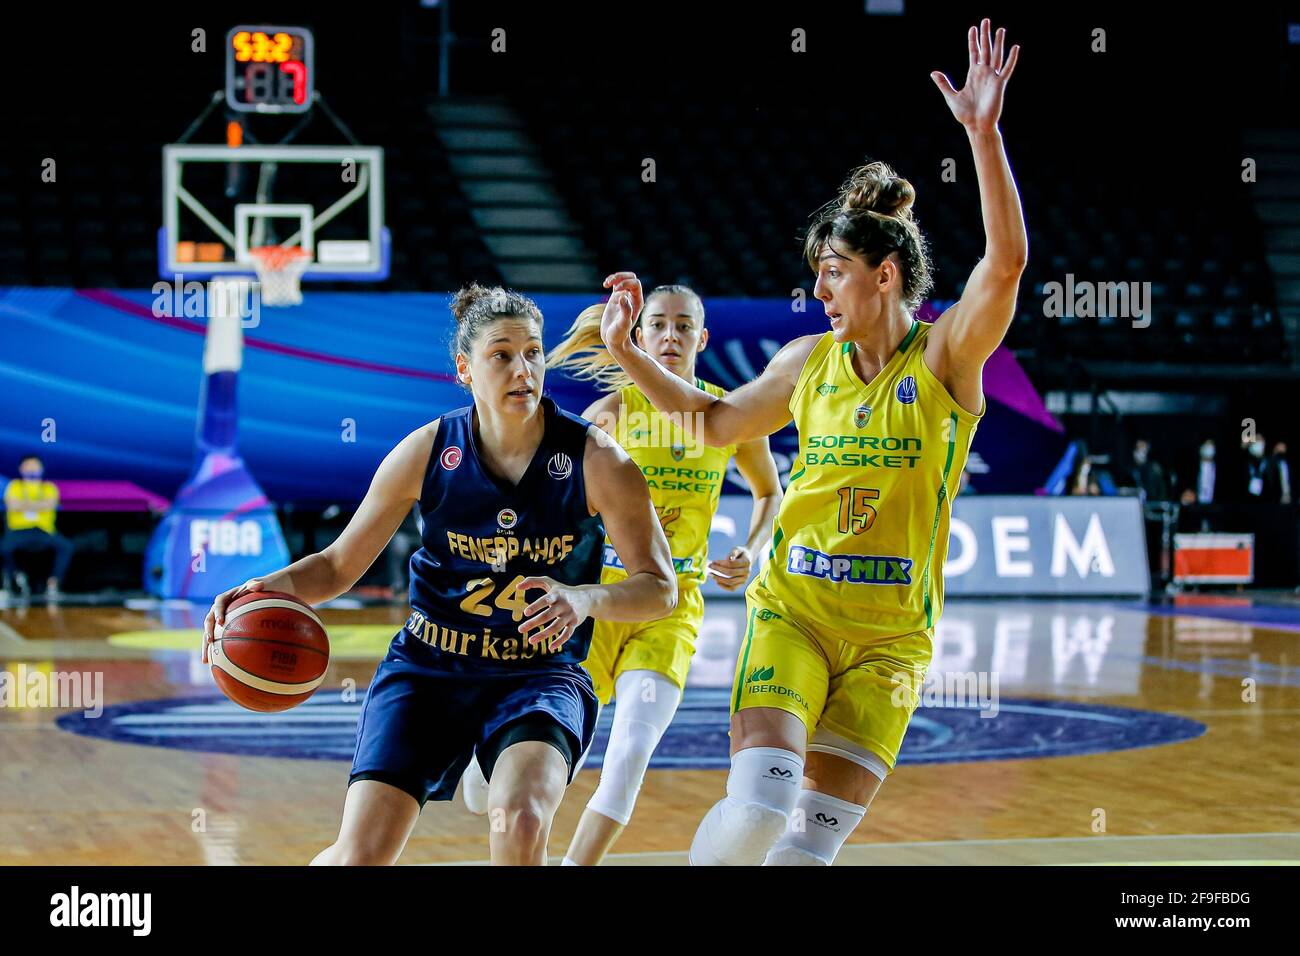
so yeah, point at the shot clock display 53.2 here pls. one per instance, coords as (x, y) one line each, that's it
(269, 69)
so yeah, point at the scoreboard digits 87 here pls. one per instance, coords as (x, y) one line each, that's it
(269, 69)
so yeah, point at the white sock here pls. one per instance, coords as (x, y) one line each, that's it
(818, 828)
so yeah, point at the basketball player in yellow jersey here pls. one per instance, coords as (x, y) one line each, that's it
(840, 624)
(644, 666)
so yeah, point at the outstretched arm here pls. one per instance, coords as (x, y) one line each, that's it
(755, 410)
(326, 574)
(968, 333)
(616, 489)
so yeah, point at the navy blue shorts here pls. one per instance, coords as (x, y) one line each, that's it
(420, 723)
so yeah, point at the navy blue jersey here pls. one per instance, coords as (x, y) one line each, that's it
(482, 536)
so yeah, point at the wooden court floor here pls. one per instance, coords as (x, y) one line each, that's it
(1115, 733)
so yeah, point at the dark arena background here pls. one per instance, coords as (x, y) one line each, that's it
(1116, 674)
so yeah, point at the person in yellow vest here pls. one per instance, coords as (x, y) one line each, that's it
(643, 666)
(841, 621)
(31, 503)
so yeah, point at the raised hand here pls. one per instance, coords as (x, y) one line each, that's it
(978, 104)
(621, 311)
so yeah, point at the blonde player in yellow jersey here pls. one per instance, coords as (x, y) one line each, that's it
(644, 666)
(840, 623)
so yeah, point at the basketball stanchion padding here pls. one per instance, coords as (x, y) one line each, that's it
(272, 652)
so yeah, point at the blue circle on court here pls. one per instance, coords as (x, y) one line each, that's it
(324, 728)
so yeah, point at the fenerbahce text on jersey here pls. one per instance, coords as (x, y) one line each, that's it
(860, 541)
(465, 606)
(684, 476)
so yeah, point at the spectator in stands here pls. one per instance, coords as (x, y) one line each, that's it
(31, 503)
(1268, 479)
(1078, 481)
(1256, 469)
(1091, 477)
(964, 487)
(1280, 473)
(1205, 477)
(1086, 480)
(1148, 477)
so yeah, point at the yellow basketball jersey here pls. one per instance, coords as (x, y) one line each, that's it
(684, 476)
(860, 541)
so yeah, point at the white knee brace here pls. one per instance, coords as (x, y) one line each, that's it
(818, 828)
(646, 702)
(762, 790)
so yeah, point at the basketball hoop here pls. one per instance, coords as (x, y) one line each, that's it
(279, 270)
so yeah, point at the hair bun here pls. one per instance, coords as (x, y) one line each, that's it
(876, 188)
(463, 301)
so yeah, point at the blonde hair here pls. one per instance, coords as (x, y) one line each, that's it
(583, 355)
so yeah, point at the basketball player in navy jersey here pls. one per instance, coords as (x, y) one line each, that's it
(515, 495)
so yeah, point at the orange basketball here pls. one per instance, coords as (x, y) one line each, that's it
(272, 652)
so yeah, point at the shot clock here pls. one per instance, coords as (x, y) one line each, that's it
(319, 216)
(269, 69)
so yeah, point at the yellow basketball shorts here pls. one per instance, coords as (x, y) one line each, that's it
(863, 694)
(665, 646)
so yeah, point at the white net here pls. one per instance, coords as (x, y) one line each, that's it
(279, 271)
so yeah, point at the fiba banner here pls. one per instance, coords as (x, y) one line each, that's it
(1022, 545)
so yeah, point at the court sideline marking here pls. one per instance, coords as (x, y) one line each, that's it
(1235, 849)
